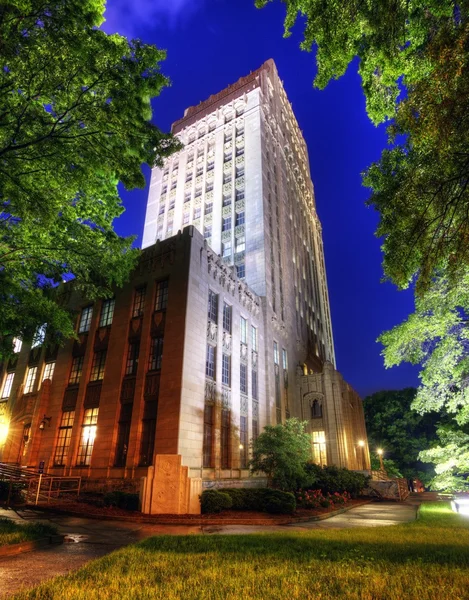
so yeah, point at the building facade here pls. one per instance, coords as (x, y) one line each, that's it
(223, 328)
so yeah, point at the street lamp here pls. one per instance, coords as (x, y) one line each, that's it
(380, 454)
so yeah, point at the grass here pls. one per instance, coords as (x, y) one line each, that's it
(13, 533)
(427, 559)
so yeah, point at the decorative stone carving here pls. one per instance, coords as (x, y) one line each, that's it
(226, 341)
(255, 409)
(226, 398)
(210, 390)
(212, 331)
(243, 351)
(254, 358)
(243, 407)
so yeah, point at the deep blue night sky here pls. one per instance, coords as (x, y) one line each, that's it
(212, 43)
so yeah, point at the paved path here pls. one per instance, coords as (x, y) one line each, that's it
(87, 539)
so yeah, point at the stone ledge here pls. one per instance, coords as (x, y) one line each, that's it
(13, 549)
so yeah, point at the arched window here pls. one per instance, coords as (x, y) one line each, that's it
(316, 409)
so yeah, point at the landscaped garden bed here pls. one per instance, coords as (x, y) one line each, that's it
(12, 532)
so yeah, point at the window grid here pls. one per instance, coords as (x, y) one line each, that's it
(88, 435)
(254, 385)
(208, 436)
(241, 271)
(48, 371)
(85, 319)
(156, 354)
(226, 249)
(107, 312)
(161, 295)
(239, 219)
(76, 370)
(8, 385)
(132, 358)
(225, 438)
(210, 362)
(243, 378)
(244, 330)
(284, 359)
(213, 306)
(254, 338)
(97, 368)
(226, 224)
(226, 317)
(226, 370)
(243, 439)
(276, 357)
(63, 439)
(139, 301)
(30, 380)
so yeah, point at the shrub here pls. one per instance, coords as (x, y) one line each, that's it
(334, 479)
(122, 500)
(261, 499)
(214, 501)
(279, 503)
(16, 494)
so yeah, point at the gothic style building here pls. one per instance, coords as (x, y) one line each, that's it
(223, 328)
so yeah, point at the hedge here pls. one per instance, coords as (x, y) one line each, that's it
(255, 499)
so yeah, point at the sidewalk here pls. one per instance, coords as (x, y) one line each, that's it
(88, 539)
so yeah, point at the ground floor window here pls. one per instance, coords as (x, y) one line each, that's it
(319, 448)
(225, 438)
(147, 443)
(243, 442)
(123, 434)
(64, 437)
(88, 435)
(208, 435)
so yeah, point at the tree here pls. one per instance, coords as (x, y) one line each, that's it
(281, 452)
(74, 121)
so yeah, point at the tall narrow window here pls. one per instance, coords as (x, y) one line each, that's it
(241, 271)
(212, 306)
(161, 295)
(7, 385)
(226, 370)
(276, 357)
(226, 249)
(226, 317)
(156, 354)
(240, 244)
(255, 422)
(107, 312)
(254, 385)
(207, 231)
(316, 410)
(147, 443)
(97, 368)
(123, 433)
(239, 219)
(132, 358)
(284, 359)
(139, 301)
(243, 442)
(39, 336)
(30, 380)
(17, 343)
(243, 378)
(85, 319)
(226, 224)
(208, 436)
(244, 331)
(225, 438)
(63, 439)
(319, 448)
(210, 362)
(48, 371)
(88, 436)
(254, 338)
(75, 371)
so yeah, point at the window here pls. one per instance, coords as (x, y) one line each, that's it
(131, 363)
(147, 444)
(226, 177)
(226, 249)
(210, 362)
(208, 208)
(243, 378)
(88, 435)
(162, 207)
(212, 306)
(17, 343)
(227, 156)
(208, 187)
(226, 317)
(30, 380)
(185, 218)
(212, 125)
(123, 433)
(48, 371)
(244, 331)
(169, 228)
(240, 244)
(85, 319)
(39, 336)
(139, 301)
(239, 151)
(227, 200)
(7, 385)
(172, 204)
(228, 136)
(239, 171)
(201, 133)
(276, 357)
(226, 223)
(187, 196)
(199, 171)
(97, 368)
(107, 312)
(197, 212)
(239, 218)
(208, 436)
(198, 192)
(173, 185)
(316, 409)
(254, 338)
(226, 370)
(161, 301)
(243, 442)
(75, 371)
(319, 448)
(207, 231)
(156, 354)
(239, 195)
(241, 271)
(63, 439)
(210, 166)
(228, 117)
(284, 359)
(188, 177)
(225, 438)
(254, 385)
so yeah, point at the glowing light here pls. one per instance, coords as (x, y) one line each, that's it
(241, 446)
(460, 506)
(380, 451)
(89, 433)
(3, 433)
(361, 443)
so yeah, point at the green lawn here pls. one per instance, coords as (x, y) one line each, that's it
(428, 559)
(12, 533)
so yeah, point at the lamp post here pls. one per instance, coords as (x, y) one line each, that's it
(380, 454)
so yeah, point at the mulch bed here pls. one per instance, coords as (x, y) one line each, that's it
(228, 517)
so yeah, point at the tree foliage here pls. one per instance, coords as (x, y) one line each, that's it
(451, 459)
(281, 452)
(74, 121)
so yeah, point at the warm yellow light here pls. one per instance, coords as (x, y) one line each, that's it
(379, 451)
(3, 432)
(361, 443)
(241, 446)
(89, 434)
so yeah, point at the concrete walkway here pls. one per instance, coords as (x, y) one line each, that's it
(88, 539)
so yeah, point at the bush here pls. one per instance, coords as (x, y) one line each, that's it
(334, 479)
(261, 499)
(16, 494)
(214, 501)
(122, 500)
